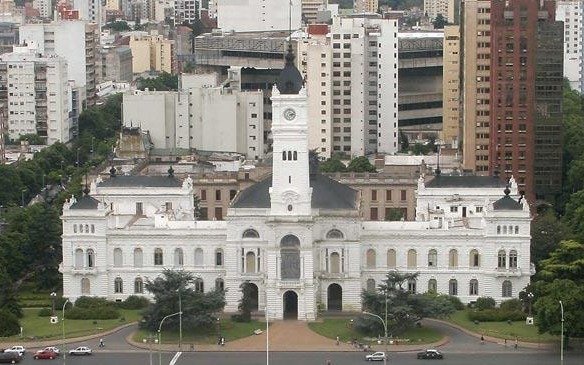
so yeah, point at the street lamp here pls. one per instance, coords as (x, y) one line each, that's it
(160, 335)
(384, 328)
(530, 298)
(92, 139)
(562, 335)
(149, 340)
(22, 197)
(53, 296)
(267, 337)
(64, 344)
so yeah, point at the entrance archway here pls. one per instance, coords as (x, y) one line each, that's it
(253, 291)
(290, 305)
(335, 297)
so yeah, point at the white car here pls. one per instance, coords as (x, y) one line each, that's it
(376, 356)
(50, 348)
(80, 351)
(19, 349)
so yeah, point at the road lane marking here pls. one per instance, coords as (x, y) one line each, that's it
(175, 358)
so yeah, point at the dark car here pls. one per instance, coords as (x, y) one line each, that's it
(9, 357)
(430, 354)
(45, 354)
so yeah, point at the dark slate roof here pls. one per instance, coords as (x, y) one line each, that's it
(326, 194)
(290, 80)
(137, 181)
(446, 181)
(507, 203)
(86, 202)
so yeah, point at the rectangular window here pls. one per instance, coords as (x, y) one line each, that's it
(203, 195)
(374, 214)
(374, 195)
(388, 195)
(139, 208)
(217, 194)
(403, 195)
(219, 213)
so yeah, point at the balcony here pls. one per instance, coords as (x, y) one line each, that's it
(84, 270)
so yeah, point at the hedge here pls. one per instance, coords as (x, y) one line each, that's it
(134, 302)
(9, 324)
(496, 315)
(93, 302)
(45, 312)
(511, 305)
(105, 312)
(485, 303)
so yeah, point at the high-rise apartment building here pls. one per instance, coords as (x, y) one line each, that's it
(74, 40)
(259, 15)
(186, 11)
(90, 10)
(571, 12)
(36, 95)
(364, 85)
(475, 57)
(434, 7)
(526, 95)
(151, 52)
(44, 7)
(310, 10)
(451, 87)
(366, 6)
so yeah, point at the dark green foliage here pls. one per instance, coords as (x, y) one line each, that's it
(164, 82)
(9, 324)
(93, 302)
(333, 164)
(439, 22)
(484, 303)
(246, 302)
(134, 302)
(496, 315)
(547, 231)
(458, 305)
(395, 214)
(511, 305)
(103, 312)
(117, 26)
(361, 164)
(45, 312)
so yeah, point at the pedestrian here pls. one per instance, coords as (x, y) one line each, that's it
(482, 340)
(337, 340)
(222, 341)
(505, 342)
(516, 342)
(101, 344)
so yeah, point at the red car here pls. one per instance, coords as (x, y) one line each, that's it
(44, 355)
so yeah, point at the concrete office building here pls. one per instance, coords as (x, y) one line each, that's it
(310, 9)
(151, 52)
(186, 11)
(44, 7)
(571, 12)
(451, 107)
(74, 40)
(445, 7)
(258, 15)
(35, 95)
(8, 37)
(365, 85)
(114, 63)
(365, 6)
(90, 10)
(526, 96)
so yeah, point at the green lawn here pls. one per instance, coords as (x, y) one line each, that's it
(229, 329)
(40, 328)
(333, 327)
(502, 329)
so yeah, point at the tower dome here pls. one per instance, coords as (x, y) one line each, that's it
(290, 80)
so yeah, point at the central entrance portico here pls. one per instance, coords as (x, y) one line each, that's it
(290, 301)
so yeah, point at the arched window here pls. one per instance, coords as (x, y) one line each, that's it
(498, 229)
(295, 156)
(474, 259)
(473, 287)
(335, 263)
(513, 259)
(453, 259)
(74, 228)
(289, 155)
(219, 284)
(250, 259)
(179, 258)
(138, 286)
(158, 257)
(412, 286)
(453, 287)
(412, 259)
(118, 285)
(218, 257)
(334, 234)
(283, 155)
(92, 228)
(507, 289)
(87, 228)
(371, 258)
(391, 261)
(432, 286)
(516, 229)
(290, 257)
(370, 284)
(199, 285)
(78, 258)
(81, 228)
(251, 233)
(90, 258)
(85, 286)
(504, 229)
(138, 257)
(118, 257)
(501, 260)
(199, 259)
(432, 258)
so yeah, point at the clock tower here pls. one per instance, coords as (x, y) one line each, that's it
(290, 192)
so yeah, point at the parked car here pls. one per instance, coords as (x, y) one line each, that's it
(51, 348)
(80, 351)
(45, 354)
(19, 349)
(430, 354)
(10, 357)
(376, 356)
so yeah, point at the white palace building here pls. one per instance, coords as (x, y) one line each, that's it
(297, 235)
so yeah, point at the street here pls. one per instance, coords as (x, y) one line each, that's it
(293, 358)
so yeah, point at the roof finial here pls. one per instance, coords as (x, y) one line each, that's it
(507, 191)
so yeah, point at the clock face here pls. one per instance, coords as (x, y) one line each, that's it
(289, 114)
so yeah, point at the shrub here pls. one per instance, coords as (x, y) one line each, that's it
(485, 303)
(104, 312)
(9, 324)
(511, 305)
(45, 312)
(134, 302)
(496, 315)
(458, 305)
(91, 302)
(60, 301)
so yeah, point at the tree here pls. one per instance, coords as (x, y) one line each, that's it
(546, 233)
(404, 141)
(118, 26)
(395, 214)
(547, 307)
(164, 82)
(361, 164)
(333, 164)
(199, 309)
(246, 303)
(574, 215)
(196, 206)
(566, 262)
(439, 22)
